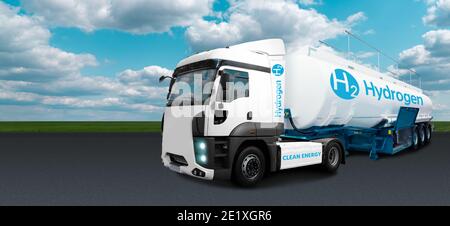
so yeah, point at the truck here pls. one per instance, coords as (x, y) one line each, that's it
(244, 111)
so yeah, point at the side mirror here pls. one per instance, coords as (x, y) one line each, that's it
(164, 77)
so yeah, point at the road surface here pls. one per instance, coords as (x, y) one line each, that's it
(126, 169)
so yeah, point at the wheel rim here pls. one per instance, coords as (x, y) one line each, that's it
(428, 133)
(251, 166)
(333, 156)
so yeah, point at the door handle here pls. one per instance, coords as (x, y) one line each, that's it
(249, 115)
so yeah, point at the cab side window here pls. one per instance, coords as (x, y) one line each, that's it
(234, 85)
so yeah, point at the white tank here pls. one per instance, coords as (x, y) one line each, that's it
(323, 89)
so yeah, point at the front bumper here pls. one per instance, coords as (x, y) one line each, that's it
(188, 167)
(185, 160)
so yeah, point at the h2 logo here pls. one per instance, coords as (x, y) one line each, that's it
(278, 70)
(344, 84)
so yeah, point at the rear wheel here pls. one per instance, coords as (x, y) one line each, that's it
(428, 132)
(249, 167)
(422, 135)
(415, 139)
(332, 156)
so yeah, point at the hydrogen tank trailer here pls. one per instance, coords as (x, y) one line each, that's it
(261, 110)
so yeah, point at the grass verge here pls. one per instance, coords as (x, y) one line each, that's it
(441, 126)
(79, 127)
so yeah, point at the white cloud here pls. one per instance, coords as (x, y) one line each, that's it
(356, 18)
(440, 107)
(140, 86)
(441, 104)
(434, 51)
(14, 97)
(39, 77)
(33, 73)
(438, 13)
(310, 2)
(365, 55)
(369, 32)
(25, 53)
(107, 103)
(20, 32)
(253, 19)
(85, 92)
(438, 42)
(44, 113)
(431, 60)
(117, 100)
(81, 103)
(148, 75)
(417, 55)
(72, 86)
(135, 16)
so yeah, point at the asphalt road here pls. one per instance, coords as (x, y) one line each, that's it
(125, 169)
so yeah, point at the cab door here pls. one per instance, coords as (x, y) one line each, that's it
(230, 103)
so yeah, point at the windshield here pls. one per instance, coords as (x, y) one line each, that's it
(192, 88)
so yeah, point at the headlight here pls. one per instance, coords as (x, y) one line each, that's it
(201, 151)
(203, 159)
(202, 145)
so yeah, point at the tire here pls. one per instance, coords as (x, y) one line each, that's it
(332, 156)
(415, 139)
(422, 135)
(250, 167)
(428, 133)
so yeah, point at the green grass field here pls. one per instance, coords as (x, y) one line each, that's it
(109, 127)
(441, 126)
(79, 127)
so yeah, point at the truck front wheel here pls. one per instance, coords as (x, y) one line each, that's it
(249, 167)
(332, 156)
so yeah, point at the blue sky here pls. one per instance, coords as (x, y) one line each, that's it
(100, 60)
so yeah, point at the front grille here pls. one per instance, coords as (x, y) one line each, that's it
(177, 160)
